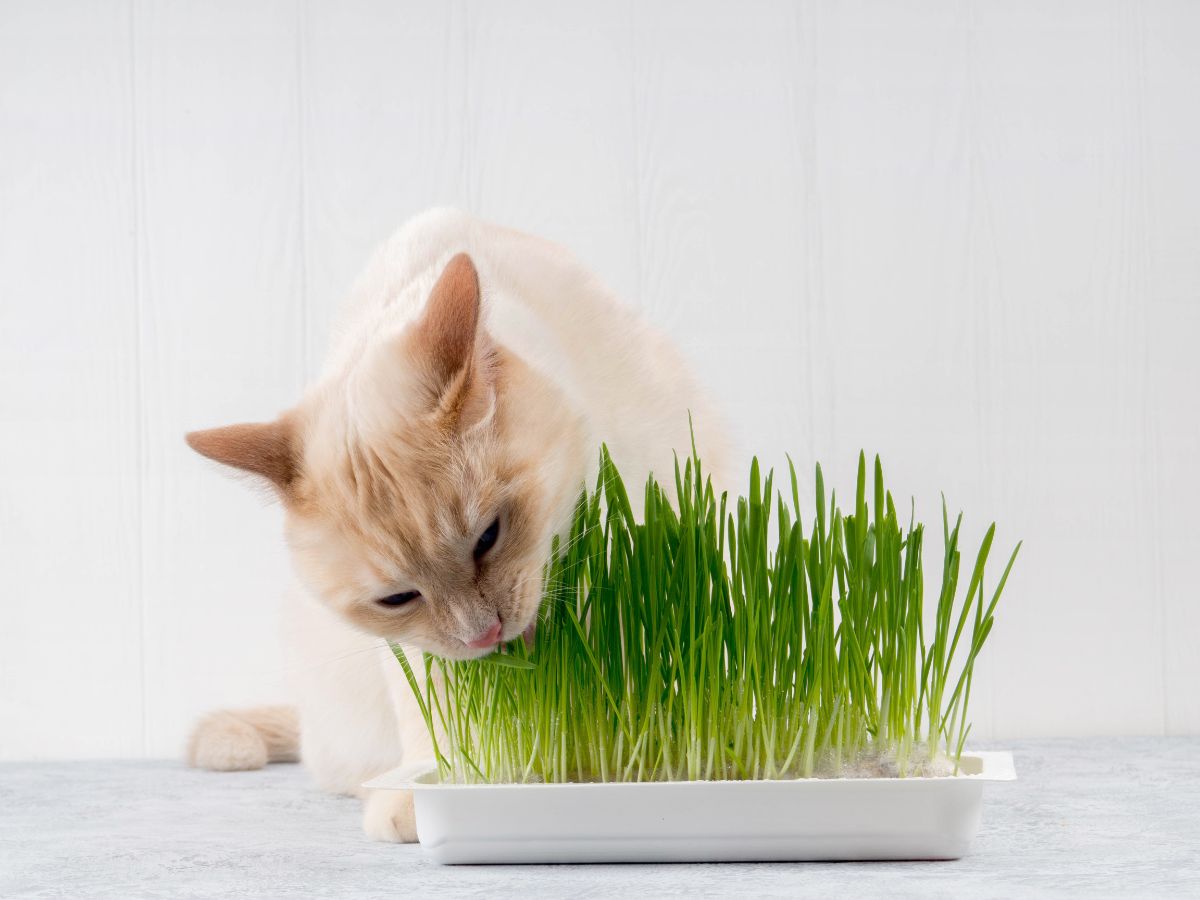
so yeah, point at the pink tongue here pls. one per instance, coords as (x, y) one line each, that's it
(528, 634)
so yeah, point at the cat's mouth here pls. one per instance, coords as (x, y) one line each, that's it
(506, 629)
(475, 650)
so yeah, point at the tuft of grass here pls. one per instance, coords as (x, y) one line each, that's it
(707, 641)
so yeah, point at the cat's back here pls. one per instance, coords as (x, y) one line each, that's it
(544, 305)
(539, 300)
(392, 288)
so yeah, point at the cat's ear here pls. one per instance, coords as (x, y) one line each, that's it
(446, 333)
(266, 449)
(452, 349)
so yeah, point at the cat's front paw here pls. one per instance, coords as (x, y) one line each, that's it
(388, 816)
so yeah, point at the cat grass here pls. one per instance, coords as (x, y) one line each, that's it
(724, 639)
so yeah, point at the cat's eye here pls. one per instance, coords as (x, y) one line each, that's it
(487, 540)
(399, 599)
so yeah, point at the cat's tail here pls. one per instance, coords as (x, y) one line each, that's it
(241, 739)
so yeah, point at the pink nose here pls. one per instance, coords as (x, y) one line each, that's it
(489, 638)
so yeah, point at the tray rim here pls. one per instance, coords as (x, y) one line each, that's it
(995, 765)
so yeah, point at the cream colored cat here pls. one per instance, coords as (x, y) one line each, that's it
(475, 372)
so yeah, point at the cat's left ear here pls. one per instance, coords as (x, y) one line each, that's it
(452, 349)
(268, 450)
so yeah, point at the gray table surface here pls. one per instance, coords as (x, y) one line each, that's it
(1111, 817)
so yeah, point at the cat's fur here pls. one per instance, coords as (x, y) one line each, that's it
(475, 372)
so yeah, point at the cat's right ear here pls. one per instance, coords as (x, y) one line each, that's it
(266, 449)
(451, 348)
(447, 334)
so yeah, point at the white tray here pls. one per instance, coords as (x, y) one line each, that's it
(702, 821)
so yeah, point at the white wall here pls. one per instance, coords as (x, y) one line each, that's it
(966, 236)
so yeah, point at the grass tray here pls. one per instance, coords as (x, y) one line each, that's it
(715, 678)
(802, 819)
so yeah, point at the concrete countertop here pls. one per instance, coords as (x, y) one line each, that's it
(1108, 817)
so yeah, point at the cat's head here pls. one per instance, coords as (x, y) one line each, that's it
(419, 500)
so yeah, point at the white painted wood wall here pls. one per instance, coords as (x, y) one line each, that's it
(964, 235)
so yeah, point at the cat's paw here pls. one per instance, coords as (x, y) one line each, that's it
(225, 742)
(388, 816)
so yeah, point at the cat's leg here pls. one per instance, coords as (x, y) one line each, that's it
(352, 693)
(356, 713)
(416, 743)
(242, 739)
(348, 729)
(389, 815)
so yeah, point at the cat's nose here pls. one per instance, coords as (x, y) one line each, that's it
(488, 638)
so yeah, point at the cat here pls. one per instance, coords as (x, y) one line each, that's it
(471, 380)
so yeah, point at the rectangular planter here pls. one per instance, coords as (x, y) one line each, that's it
(703, 821)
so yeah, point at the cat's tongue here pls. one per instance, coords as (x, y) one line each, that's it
(528, 634)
